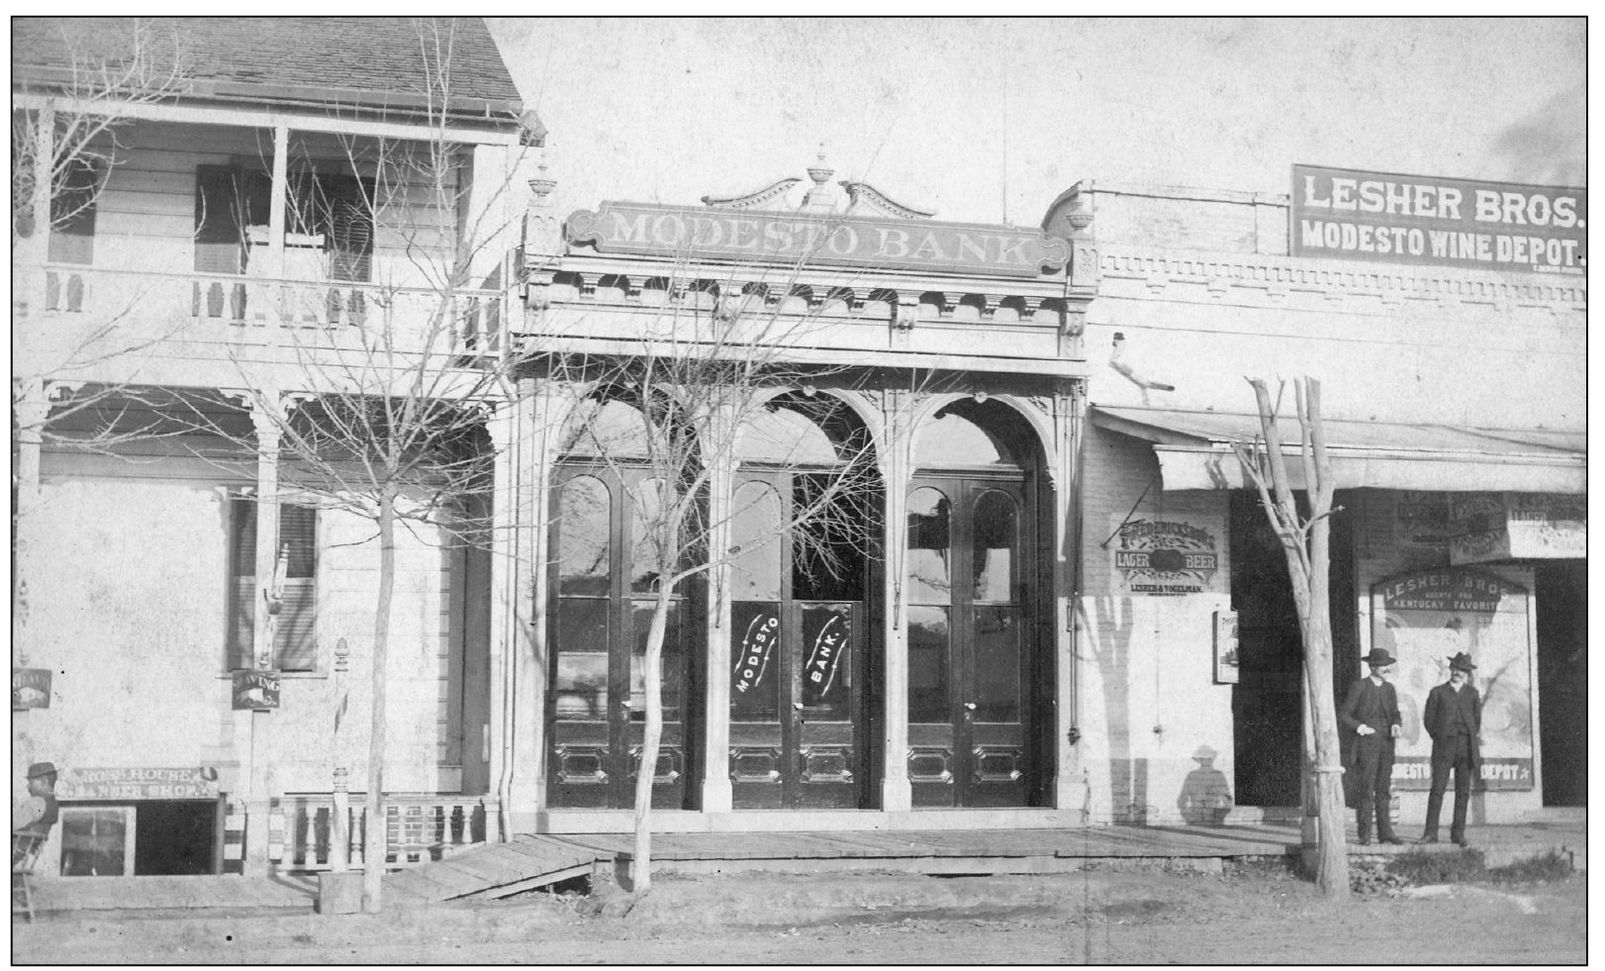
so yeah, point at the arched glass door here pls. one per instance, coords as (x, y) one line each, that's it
(799, 639)
(602, 595)
(970, 572)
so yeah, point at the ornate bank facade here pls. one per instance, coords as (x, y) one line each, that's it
(929, 674)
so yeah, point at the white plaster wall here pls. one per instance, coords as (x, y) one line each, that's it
(1414, 361)
(128, 587)
(1146, 662)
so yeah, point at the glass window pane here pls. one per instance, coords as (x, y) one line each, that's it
(94, 842)
(755, 672)
(755, 520)
(583, 555)
(673, 663)
(928, 547)
(611, 428)
(997, 664)
(827, 659)
(927, 665)
(952, 439)
(828, 547)
(581, 688)
(994, 531)
(646, 545)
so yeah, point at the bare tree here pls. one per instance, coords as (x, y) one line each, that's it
(381, 375)
(67, 128)
(1305, 542)
(704, 380)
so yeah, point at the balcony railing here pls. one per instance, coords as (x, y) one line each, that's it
(229, 307)
(419, 829)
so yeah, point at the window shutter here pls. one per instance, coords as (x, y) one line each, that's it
(294, 643)
(350, 228)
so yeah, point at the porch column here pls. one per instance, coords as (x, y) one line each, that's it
(894, 456)
(716, 794)
(516, 675)
(276, 200)
(1069, 776)
(266, 415)
(30, 408)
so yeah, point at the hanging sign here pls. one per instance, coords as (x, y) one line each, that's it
(1425, 618)
(1424, 220)
(674, 233)
(1517, 525)
(256, 690)
(190, 782)
(30, 688)
(1165, 557)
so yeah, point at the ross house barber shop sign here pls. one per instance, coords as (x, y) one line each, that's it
(1165, 558)
(670, 232)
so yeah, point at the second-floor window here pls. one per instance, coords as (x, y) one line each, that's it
(294, 643)
(72, 213)
(328, 222)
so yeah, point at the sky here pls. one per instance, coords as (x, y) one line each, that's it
(989, 120)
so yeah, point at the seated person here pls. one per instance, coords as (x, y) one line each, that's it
(33, 817)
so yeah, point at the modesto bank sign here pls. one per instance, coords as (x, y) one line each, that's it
(669, 232)
(1354, 215)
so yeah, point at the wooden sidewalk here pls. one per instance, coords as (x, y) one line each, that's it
(530, 861)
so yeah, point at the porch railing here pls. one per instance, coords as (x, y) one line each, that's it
(419, 829)
(232, 307)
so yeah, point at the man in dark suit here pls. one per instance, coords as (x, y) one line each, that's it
(1370, 717)
(1453, 718)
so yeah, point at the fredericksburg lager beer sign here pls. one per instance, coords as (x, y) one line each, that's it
(670, 232)
(1351, 215)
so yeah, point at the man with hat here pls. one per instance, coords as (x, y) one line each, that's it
(1453, 717)
(1370, 717)
(34, 816)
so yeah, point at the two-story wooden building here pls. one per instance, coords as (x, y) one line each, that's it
(237, 207)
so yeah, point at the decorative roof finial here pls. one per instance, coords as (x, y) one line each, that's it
(821, 172)
(542, 186)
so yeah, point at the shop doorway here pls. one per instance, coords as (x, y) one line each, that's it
(148, 838)
(1267, 709)
(1562, 598)
(604, 597)
(975, 682)
(805, 511)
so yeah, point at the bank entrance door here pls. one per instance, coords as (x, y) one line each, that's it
(799, 705)
(604, 597)
(970, 641)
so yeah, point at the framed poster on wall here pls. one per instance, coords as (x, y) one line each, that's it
(1425, 618)
(1226, 666)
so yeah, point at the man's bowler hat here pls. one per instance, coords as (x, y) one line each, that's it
(1462, 662)
(41, 768)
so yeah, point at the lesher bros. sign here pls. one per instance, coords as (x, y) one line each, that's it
(672, 232)
(1354, 215)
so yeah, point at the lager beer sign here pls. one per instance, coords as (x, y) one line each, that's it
(670, 233)
(1352, 215)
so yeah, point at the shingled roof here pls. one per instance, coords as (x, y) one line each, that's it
(370, 61)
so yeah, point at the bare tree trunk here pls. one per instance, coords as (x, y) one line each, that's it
(373, 854)
(1306, 544)
(652, 735)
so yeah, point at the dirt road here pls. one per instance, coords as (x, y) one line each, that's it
(1101, 918)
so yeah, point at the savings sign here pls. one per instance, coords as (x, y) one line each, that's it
(1355, 215)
